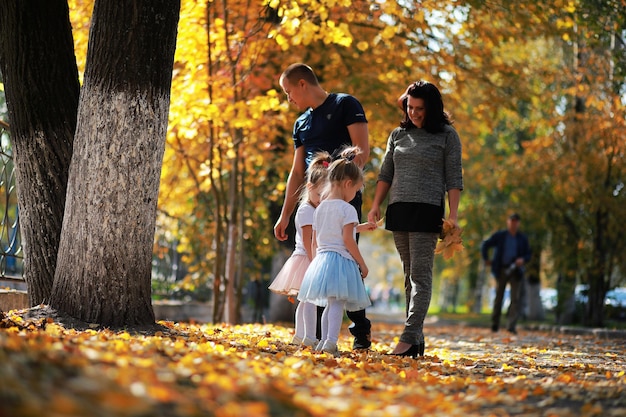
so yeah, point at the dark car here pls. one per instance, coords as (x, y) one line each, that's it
(615, 303)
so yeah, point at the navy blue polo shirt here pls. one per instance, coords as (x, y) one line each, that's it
(326, 127)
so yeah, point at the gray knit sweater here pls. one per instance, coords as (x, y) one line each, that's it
(422, 166)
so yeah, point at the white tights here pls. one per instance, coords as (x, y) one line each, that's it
(332, 319)
(309, 319)
(299, 319)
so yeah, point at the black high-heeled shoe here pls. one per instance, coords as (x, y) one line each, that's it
(414, 351)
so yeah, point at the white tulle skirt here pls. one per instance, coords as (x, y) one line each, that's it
(332, 275)
(288, 280)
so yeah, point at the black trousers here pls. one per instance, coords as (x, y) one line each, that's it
(516, 280)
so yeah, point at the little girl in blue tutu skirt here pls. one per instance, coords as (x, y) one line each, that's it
(334, 279)
(288, 280)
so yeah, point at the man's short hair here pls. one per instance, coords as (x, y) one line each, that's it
(514, 216)
(299, 71)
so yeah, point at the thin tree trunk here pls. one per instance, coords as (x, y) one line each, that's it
(216, 188)
(104, 264)
(599, 277)
(41, 86)
(231, 245)
(241, 239)
(533, 281)
(535, 306)
(568, 271)
(479, 285)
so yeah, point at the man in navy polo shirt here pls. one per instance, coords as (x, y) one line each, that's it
(329, 122)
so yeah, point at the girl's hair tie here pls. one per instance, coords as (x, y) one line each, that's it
(325, 164)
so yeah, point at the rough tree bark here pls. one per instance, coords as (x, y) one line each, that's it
(104, 262)
(38, 66)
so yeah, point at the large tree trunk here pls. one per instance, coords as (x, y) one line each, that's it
(104, 265)
(41, 85)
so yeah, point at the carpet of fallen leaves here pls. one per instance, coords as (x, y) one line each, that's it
(251, 370)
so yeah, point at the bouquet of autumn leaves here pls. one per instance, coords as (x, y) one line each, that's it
(451, 241)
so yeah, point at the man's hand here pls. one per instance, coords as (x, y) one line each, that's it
(294, 182)
(279, 229)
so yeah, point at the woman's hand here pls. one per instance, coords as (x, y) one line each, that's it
(454, 221)
(374, 215)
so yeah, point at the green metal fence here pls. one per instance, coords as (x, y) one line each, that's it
(11, 260)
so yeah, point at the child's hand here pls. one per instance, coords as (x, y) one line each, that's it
(366, 227)
(364, 270)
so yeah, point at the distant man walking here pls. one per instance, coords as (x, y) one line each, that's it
(512, 252)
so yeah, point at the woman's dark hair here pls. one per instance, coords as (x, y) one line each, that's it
(436, 118)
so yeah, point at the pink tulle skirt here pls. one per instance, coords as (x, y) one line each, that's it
(289, 279)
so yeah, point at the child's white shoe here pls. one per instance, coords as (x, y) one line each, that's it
(307, 341)
(296, 340)
(330, 347)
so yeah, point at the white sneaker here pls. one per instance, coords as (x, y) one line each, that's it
(307, 341)
(330, 347)
(318, 347)
(296, 340)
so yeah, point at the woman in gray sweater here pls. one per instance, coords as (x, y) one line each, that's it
(422, 163)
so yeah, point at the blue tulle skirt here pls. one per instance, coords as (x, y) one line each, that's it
(333, 275)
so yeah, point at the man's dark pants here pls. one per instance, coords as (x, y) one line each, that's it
(514, 278)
